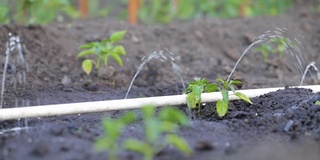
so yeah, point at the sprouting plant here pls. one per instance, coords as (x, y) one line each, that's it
(195, 89)
(225, 87)
(275, 46)
(102, 50)
(265, 49)
(199, 86)
(160, 131)
(112, 130)
(317, 103)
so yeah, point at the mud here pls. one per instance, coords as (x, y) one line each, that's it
(278, 125)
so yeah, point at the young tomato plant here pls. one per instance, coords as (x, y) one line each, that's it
(195, 89)
(160, 131)
(199, 86)
(225, 87)
(112, 130)
(102, 50)
(275, 46)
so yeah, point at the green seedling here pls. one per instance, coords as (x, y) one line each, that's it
(275, 46)
(199, 86)
(195, 89)
(317, 103)
(102, 50)
(112, 130)
(160, 132)
(225, 87)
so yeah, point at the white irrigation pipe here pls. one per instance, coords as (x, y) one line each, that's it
(100, 106)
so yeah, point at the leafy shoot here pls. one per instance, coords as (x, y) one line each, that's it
(199, 86)
(102, 51)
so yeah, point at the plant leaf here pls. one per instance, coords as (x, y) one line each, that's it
(111, 127)
(89, 45)
(174, 115)
(222, 107)
(85, 53)
(87, 66)
(168, 127)
(220, 80)
(236, 82)
(120, 50)
(191, 100)
(128, 118)
(225, 94)
(117, 36)
(211, 88)
(317, 103)
(117, 58)
(101, 144)
(152, 130)
(139, 146)
(232, 89)
(179, 143)
(243, 97)
(197, 90)
(148, 111)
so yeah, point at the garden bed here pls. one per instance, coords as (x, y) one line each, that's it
(203, 48)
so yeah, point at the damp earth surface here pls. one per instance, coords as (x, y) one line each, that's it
(279, 125)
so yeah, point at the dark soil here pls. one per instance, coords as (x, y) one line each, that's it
(278, 125)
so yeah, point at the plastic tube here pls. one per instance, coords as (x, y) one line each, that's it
(101, 106)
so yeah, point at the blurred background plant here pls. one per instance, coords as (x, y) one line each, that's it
(36, 11)
(145, 11)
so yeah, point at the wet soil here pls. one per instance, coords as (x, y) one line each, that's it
(278, 125)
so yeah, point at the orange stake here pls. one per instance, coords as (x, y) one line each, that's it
(243, 7)
(133, 8)
(83, 7)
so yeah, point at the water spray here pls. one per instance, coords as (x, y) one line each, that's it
(162, 56)
(12, 45)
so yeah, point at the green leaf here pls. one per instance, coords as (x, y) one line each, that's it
(102, 144)
(211, 88)
(174, 115)
(232, 89)
(117, 58)
(120, 50)
(140, 147)
(192, 83)
(87, 66)
(179, 143)
(111, 127)
(243, 97)
(204, 81)
(317, 103)
(222, 107)
(148, 111)
(191, 100)
(197, 90)
(220, 80)
(168, 127)
(196, 79)
(89, 45)
(225, 94)
(236, 82)
(128, 118)
(85, 53)
(117, 36)
(152, 130)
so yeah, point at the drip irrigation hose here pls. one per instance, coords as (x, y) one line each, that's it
(110, 105)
